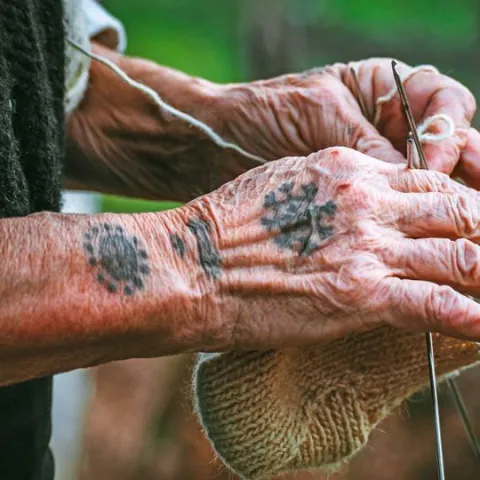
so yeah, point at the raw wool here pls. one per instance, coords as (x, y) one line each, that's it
(163, 105)
(77, 66)
(296, 409)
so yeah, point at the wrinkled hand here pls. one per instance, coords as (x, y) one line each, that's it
(302, 113)
(308, 249)
(119, 142)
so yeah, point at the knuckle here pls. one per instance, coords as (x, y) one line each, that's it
(338, 152)
(466, 261)
(444, 309)
(460, 94)
(467, 100)
(352, 287)
(439, 181)
(464, 213)
(339, 158)
(361, 195)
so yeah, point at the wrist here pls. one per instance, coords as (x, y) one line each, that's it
(184, 311)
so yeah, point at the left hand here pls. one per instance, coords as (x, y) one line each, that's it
(119, 142)
(301, 113)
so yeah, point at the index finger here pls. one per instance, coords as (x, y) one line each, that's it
(453, 100)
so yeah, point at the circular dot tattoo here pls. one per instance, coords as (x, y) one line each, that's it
(120, 260)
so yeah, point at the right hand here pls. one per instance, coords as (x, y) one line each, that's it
(304, 250)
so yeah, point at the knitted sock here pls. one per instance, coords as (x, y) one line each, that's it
(302, 408)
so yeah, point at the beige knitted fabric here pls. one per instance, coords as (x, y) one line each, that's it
(302, 408)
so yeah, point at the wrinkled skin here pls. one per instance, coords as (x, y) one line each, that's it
(302, 113)
(120, 143)
(396, 235)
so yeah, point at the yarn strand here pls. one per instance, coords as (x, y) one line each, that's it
(163, 105)
(220, 142)
(422, 129)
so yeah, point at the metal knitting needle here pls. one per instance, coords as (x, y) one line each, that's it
(358, 94)
(408, 113)
(462, 411)
(412, 163)
(411, 157)
(428, 336)
(416, 159)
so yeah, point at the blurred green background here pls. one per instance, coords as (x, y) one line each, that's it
(232, 40)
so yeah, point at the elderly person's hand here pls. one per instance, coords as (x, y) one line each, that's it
(306, 249)
(295, 252)
(303, 113)
(120, 142)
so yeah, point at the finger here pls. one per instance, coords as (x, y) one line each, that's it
(420, 215)
(455, 101)
(437, 260)
(423, 306)
(365, 138)
(355, 131)
(468, 169)
(424, 181)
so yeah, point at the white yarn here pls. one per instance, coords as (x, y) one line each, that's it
(436, 137)
(217, 139)
(403, 77)
(422, 129)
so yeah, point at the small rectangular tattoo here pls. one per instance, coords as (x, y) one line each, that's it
(209, 257)
(178, 244)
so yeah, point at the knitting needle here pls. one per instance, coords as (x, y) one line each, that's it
(462, 410)
(428, 336)
(408, 114)
(436, 410)
(358, 94)
(411, 157)
(413, 162)
(453, 387)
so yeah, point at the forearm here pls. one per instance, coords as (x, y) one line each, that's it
(120, 142)
(79, 290)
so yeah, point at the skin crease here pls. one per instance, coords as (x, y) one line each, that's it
(316, 109)
(120, 143)
(380, 266)
(55, 317)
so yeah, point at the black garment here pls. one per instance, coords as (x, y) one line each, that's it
(25, 427)
(31, 151)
